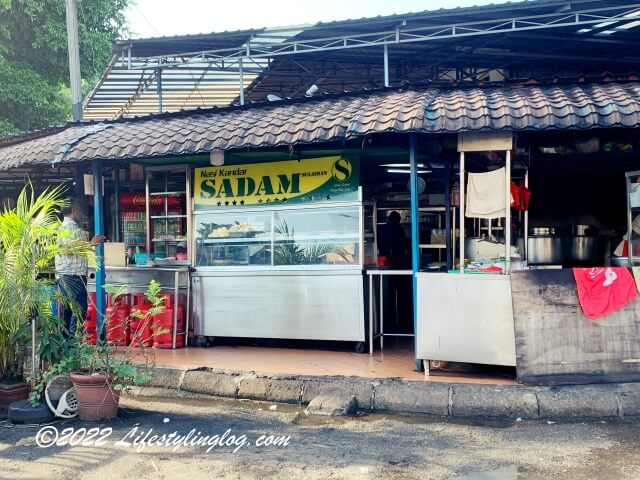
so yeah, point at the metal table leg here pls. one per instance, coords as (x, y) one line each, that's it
(370, 314)
(381, 314)
(176, 306)
(187, 312)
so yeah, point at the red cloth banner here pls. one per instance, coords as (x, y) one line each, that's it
(602, 290)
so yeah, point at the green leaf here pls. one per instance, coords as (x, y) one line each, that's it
(33, 57)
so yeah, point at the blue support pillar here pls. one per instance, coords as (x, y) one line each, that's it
(415, 234)
(98, 220)
(117, 237)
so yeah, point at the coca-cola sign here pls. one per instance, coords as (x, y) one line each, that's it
(136, 201)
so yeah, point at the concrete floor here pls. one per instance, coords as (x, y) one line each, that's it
(397, 360)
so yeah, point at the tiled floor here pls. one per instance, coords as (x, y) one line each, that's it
(396, 361)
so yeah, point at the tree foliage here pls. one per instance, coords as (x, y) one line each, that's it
(34, 73)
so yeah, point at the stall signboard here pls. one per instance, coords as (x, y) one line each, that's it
(285, 182)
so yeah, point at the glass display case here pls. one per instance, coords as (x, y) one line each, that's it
(168, 214)
(280, 236)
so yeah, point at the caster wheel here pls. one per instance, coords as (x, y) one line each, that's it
(360, 347)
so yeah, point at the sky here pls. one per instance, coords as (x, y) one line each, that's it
(153, 18)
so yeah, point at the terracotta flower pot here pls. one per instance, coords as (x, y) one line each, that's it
(97, 400)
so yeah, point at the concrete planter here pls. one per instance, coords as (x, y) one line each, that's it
(12, 392)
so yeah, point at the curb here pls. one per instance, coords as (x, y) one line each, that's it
(404, 396)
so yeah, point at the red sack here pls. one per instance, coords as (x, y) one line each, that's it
(602, 290)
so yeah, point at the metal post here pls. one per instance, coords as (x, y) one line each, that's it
(381, 313)
(147, 207)
(415, 240)
(507, 220)
(447, 215)
(187, 311)
(117, 237)
(98, 222)
(241, 72)
(159, 88)
(189, 201)
(629, 224)
(386, 65)
(34, 369)
(461, 214)
(74, 60)
(176, 306)
(526, 222)
(371, 314)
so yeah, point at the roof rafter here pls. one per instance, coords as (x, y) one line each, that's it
(409, 35)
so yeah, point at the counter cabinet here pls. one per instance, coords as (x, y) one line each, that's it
(280, 272)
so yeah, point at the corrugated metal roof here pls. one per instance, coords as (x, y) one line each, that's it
(509, 40)
(430, 110)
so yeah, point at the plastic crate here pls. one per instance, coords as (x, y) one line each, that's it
(144, 258)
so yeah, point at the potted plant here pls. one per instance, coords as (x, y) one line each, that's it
(29, 242)
(101, 372)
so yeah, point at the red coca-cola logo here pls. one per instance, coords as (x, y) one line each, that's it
(136, 201)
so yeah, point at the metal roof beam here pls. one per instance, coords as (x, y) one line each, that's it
(574, 39)
(400, 35)
(143, 85)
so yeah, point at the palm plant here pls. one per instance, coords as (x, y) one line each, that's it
(288, 252)
(30, 239)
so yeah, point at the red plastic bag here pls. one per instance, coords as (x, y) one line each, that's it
(525, 197)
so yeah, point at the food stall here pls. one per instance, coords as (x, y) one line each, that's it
(445, 300)
(517, 301)
(155, 218)
(278, 250)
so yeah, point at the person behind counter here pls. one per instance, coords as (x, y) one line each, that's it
(392, 243)
(181, 251)
(71, 270)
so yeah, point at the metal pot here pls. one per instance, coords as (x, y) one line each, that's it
(583, 230)
(545, 250)
(471, 248)
(544, 231)
(585, 249)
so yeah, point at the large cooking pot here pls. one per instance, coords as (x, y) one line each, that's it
(583, 230)
(585, 250)
(544, 250)
(544, 231)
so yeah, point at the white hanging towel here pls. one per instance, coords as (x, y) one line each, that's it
(485, 194)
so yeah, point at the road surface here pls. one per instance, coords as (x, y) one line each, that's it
(197, 439)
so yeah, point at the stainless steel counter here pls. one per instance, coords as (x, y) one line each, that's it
(465, 318)
(292, 303)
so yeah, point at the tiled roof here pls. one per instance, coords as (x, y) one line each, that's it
(324, 119)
